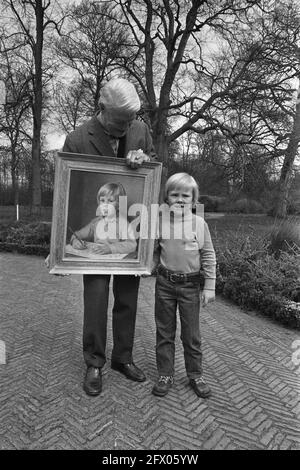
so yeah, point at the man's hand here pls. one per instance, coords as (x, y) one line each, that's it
(47, 264)
(135, 158)
(47, 261)
(207, 296)
(153, 270)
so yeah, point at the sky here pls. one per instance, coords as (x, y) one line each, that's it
(54, 141)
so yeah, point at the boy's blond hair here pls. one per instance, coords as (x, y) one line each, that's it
(179, 180)
(114, 189)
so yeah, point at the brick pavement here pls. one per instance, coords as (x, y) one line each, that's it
(247, 361)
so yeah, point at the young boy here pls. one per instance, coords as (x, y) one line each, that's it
(185, 245)
(105, 230)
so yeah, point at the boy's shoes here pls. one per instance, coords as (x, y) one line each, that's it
(200, 387)
(163, 385)
(93, 381)
(130, 371)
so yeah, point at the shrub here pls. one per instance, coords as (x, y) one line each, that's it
(282, 310)
(263, 277)
(293, 208)
(245, 206)
(285, 236)
(253, 278)
(293, 204)
(29, 238)
(39, 250)
(29, 234)
(212, 203)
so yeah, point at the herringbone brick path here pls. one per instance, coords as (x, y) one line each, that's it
(247, 360)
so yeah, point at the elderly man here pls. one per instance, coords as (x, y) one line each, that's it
(113, 132)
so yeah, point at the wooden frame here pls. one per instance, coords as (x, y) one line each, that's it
(77, 179)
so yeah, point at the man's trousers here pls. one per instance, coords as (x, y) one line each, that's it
(96, 292)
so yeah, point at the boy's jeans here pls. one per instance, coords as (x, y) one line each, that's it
(187, 296)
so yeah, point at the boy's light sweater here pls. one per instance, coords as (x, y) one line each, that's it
(187, 246)
(96, 231)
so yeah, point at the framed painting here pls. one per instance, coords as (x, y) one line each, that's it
(104, 215)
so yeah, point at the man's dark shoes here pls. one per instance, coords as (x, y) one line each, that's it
(93, 381)
(130, 371)
(163, 385)
(200, 387)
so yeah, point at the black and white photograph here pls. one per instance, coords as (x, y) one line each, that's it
(149, 230)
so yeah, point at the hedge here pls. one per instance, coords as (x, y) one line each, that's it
(39, 250)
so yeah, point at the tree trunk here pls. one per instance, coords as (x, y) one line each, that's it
(287, 167)
(161, 147)
(36, 194)
(37, 111)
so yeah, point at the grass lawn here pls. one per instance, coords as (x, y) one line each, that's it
(232, 228)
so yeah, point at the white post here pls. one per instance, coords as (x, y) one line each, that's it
(17, 212)
(2, 353)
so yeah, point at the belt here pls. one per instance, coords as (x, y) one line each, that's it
(174, 276)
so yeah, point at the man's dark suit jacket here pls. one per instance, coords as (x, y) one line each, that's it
(90, 139)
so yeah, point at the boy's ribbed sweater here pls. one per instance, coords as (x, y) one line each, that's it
(185, 245)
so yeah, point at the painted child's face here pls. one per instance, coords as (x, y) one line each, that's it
(180, 198)
(107, 206)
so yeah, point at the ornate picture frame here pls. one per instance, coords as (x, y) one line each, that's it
(76, 190)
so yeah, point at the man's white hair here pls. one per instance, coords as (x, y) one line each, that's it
(120, 94)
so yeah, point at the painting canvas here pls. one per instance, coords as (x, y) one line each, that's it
(84, 224)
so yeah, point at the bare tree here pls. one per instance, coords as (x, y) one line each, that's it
(91, 41)
(273, 111)
(265, 101)
(287, 37)
(28, 21)
(174, 66)
(288, 163)
(71, 104)
(15, 115)
(227, 67)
